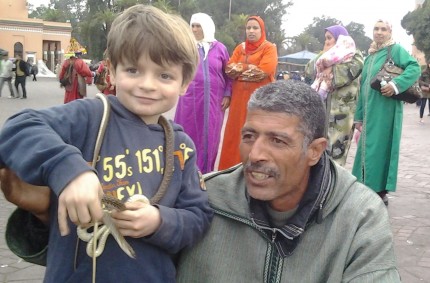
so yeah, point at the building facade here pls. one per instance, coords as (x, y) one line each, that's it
(32, 39)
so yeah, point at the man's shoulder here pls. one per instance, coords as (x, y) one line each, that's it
(230, 173)
(227, 181)
(350, 194)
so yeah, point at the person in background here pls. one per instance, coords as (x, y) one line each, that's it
(200, 111)
(283, 75)
(6, 67)
(425, 87)
(334, 73)
(21, 74)
(103, 81)
(378, 117)
(252, 65)
(288, 213)
(81, 76)
(34, 71)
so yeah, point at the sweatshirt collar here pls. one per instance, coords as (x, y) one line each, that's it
(286, 238)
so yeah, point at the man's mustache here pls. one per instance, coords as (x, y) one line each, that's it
(259, 167)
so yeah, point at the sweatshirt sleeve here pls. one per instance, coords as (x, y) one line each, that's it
(44, 147)
(183, 224)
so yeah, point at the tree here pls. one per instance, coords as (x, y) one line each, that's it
(313, 36)
(303, 41)
(356, 31)
(417, 23)
(233, 32)
(91, 21)
(317, 29)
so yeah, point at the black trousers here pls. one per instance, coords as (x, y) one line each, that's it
(20, 80)
(423, 106)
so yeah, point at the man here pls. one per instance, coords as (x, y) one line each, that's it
(80, 76)
(6, 67)
(21, 72)
(34, 71)
(289, 213)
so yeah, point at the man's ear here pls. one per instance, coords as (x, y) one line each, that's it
(112, 73)
(315, 150)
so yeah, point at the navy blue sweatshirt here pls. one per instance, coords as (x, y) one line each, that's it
(53, 146)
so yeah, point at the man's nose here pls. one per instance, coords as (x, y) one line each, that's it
(258, 151)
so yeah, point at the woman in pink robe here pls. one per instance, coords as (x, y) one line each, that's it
(200, 111)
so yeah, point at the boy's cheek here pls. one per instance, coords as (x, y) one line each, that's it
(184, 89)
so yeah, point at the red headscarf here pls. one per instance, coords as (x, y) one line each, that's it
(252, 46)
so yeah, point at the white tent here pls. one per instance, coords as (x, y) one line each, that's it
(299, 58)
(44, 71)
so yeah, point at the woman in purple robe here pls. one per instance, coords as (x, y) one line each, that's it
(200, 111)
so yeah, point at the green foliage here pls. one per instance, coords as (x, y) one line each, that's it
(417, 23)
(91, 21)
(313, 37)
(317, 30)
(357, 32)
(233, 31)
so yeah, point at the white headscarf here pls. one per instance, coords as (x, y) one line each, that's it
(208, 27)
(374, 47)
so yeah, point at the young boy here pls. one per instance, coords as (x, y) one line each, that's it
(152, 59)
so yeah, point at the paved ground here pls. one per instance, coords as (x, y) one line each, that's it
(409, 207)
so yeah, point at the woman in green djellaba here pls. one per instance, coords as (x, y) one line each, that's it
(378, 116)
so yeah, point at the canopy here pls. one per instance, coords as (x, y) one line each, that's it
(299, 58)
(75, 46)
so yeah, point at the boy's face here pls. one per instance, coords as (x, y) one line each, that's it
(147, 89)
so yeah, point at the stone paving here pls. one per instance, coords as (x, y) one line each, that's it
(409, 207)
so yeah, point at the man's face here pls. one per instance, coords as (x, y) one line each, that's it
(276, 166)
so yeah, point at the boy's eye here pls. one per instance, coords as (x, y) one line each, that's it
(165, 76)
(131, 70)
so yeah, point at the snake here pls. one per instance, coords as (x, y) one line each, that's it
(96, 240)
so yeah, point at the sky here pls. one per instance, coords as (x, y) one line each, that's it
(365, 12)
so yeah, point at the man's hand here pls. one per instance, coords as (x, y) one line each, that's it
(225, 103)
(34, 199)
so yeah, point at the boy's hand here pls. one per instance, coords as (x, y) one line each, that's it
(138, 220)
(80, 201)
